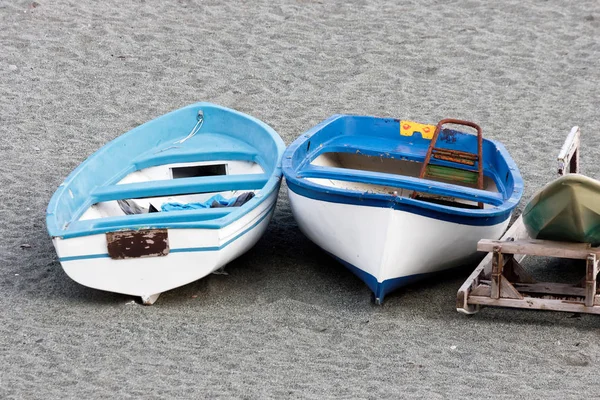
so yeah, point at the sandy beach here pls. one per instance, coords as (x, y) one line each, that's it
(287, 321)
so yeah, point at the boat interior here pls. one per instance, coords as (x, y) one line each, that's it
(392, 166)
(183, 158)
(453, 168)
(212, 172)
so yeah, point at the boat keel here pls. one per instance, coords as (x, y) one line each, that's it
(148, 300)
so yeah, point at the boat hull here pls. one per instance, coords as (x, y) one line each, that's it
(167, 202)
(566, 209)
(193, 254)
(388, 248)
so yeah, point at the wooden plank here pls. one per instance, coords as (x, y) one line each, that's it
(545, 248)
(514, 272)
(590, 277)
(515, 231)
(570, 144)
(481, 290)
(537, 304)
(574, 164)
(497, 267)
(472, 283)
(458, 153)
(569, 153)
(455, 159)
(552, 288)
(507, 290)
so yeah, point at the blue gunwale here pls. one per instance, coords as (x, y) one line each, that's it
(329, 136)
(183, 249)
(268, 153)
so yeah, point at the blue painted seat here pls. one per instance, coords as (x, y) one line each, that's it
(402, 181)
(171, 187)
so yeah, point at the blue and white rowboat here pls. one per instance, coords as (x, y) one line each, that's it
(102, 218)
(378, 194)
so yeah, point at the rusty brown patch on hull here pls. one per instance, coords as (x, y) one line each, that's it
(136, 244)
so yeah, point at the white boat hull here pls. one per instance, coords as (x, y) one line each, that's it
(194, 253)
(388, 248)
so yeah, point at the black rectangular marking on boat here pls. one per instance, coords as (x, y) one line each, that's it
(199, 170)
(136, 244)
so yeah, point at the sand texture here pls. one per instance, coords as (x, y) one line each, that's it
(288, 321)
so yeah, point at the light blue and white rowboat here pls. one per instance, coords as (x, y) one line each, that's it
(102, 220)
(378, 194)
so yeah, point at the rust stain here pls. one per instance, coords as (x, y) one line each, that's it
(448, 136)
(136, 244)
(455, 156)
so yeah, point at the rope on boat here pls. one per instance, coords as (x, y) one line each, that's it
(195, 129)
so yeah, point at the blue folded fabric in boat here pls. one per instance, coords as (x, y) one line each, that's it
(215, 201)
(195, 206)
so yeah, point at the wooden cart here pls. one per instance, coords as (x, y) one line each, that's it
(500, 279)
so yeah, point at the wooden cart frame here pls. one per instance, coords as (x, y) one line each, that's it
(500, 280)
